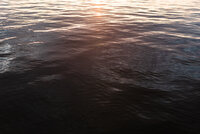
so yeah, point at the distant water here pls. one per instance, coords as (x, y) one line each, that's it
(99, 66)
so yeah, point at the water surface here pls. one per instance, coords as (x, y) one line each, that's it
(99, 66)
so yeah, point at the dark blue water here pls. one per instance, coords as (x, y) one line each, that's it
(99, 66)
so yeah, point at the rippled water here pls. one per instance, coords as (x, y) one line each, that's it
(99, 66)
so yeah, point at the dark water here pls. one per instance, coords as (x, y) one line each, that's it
(99, 66)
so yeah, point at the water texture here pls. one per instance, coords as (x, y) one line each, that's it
(99, 66)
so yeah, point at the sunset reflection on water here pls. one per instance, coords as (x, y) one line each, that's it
(99, 66)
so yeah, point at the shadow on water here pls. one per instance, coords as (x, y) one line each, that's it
(96, 91)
